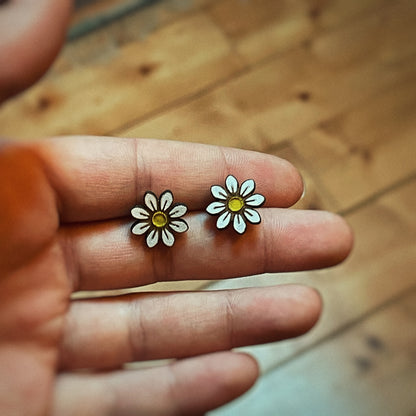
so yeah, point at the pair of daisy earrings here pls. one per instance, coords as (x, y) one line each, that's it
(160, 218)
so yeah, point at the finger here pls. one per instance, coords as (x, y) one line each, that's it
(101, 178)
(108, 333)
(108, 256)
(188, 387)
(31, 34)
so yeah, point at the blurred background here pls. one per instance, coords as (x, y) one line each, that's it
(329, 85)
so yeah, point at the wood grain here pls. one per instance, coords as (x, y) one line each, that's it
(98, 98)
(327, 84)
(261, 28)
(366, 149)
(369, 369)
(315, 195)
(380, 268)
(289, 94)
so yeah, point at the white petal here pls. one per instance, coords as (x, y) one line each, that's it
(150, 200)
(167, 237)
(223, 220)
(178, 210)
(215, 207)
(140, 228)
(180, 226)
(239, 223)
(247, 187)
(231, 184)
(166, 200)
(153, 238)
(255, 200)
(140, 213)
(218, 192)
(252, 215)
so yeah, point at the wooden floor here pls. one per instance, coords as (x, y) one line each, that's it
(328, 84)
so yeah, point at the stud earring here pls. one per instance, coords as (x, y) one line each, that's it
(235, 204)
(158, 218)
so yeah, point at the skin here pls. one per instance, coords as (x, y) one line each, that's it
(64, 227)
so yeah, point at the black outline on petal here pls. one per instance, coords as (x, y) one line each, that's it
(237, 192)
(173, 207)
(243, 213)
(166, 230)
(144, 209)
(160, 199)
(140, 222)
(251, 192)
(218, 201)
(257, 206)
(224, 189)
(157, 201)
(238, 214)
(168, 225)
(229, 222)
(158, 236)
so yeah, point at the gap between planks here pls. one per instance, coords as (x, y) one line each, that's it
(377, 195)
(247, 67)
(343, 328)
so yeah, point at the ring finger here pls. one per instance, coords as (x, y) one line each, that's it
(109, 332)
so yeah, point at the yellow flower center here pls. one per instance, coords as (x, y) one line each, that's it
(235, 203)
(159, 219)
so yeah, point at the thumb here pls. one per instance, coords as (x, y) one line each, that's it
(31, 34)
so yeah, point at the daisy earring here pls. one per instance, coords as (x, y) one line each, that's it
(235, 204)
(159, 218)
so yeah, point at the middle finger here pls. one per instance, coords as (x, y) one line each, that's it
(107, 256)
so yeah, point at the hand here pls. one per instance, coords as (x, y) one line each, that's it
(65, 227)
(31, 34)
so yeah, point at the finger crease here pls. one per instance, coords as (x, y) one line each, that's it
(73, 267)
(269, 263)
(225, 164)
(142, 171)
(266, 251)
(136, 164)
(163, 268)
(229, 318)
(173, 384)
(137, 334)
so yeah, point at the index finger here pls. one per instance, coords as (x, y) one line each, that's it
(97, 178)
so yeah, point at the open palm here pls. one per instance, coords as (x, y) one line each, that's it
(65, 227)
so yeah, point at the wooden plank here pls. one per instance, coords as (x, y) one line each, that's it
(91, 9)
(315, 195)
(144, 76)
(260, 28)
(91, 15)
(290, 94)
(368, 370)
(380, 268)
(129, 25)
(367, 149)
